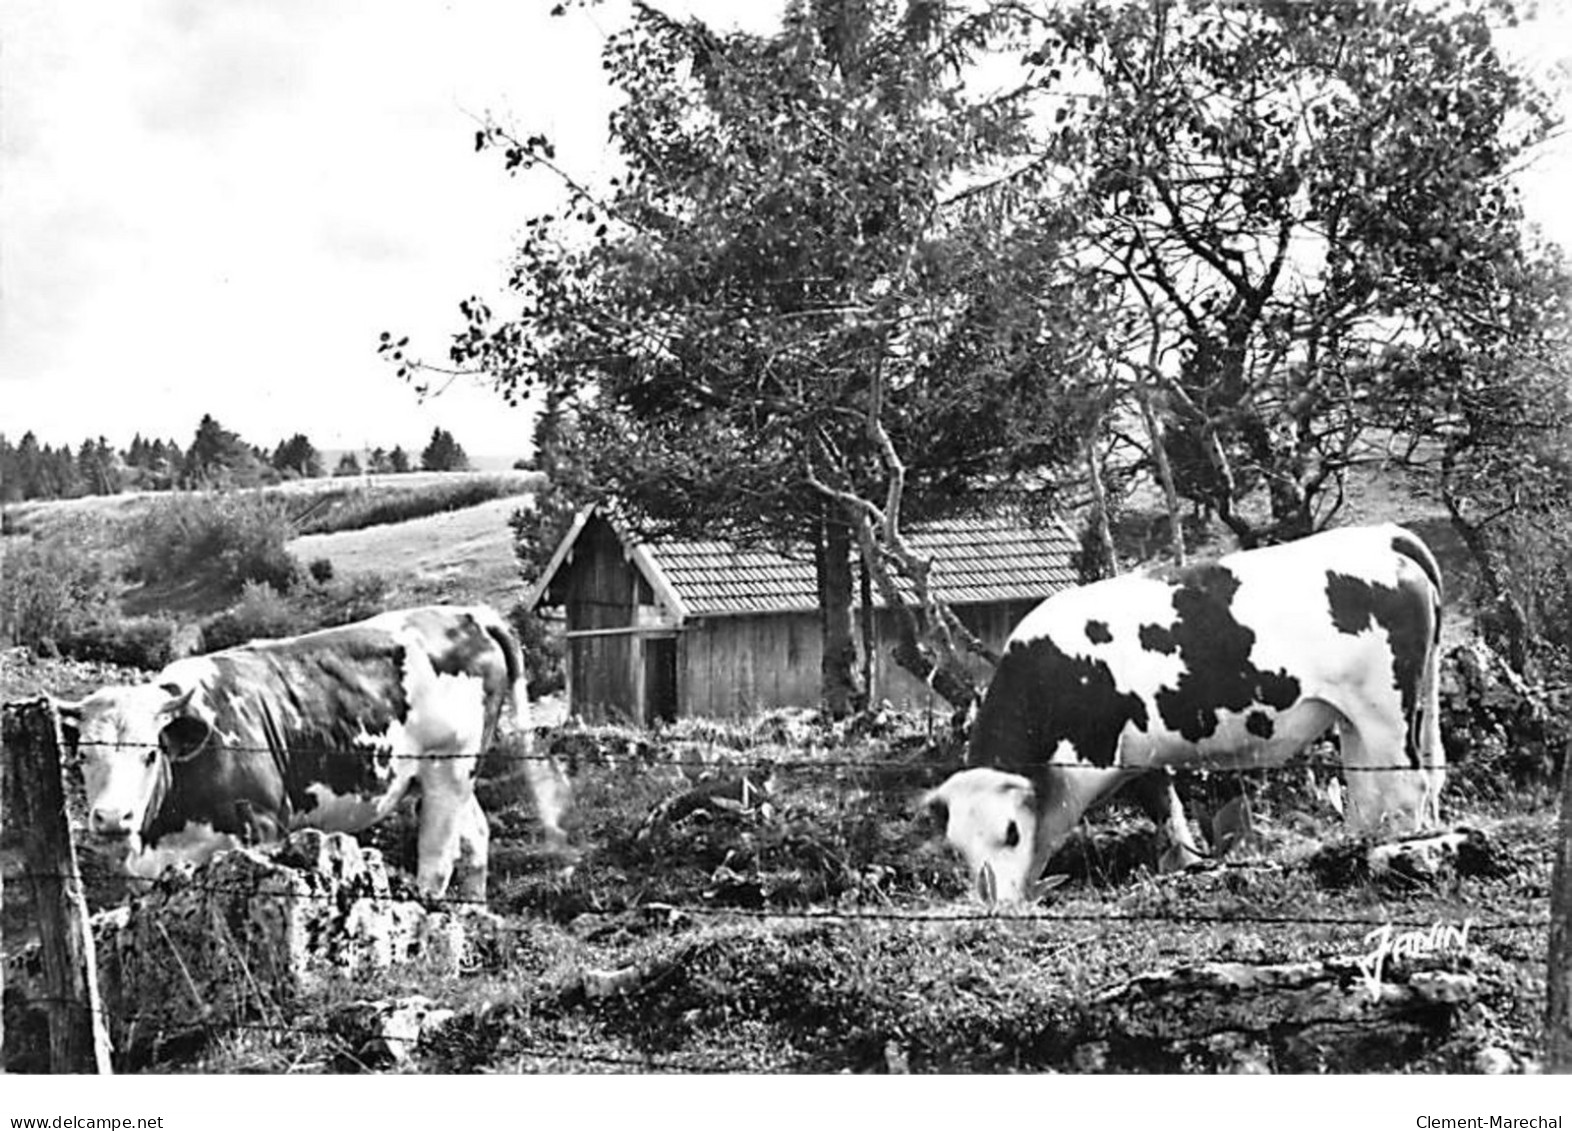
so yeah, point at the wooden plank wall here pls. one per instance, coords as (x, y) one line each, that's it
(603, 670)
(734, 667)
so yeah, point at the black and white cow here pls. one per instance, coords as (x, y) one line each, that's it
(327, 730)
(1235, 663)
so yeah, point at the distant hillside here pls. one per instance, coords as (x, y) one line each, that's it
(461, 555)
(310, 502)
(428, 535)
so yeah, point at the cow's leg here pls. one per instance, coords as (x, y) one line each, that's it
(552, 793)
(1384, 793)
(474, 846)
(443, 813)
(547, 783)
(1159, 800)
(1432, 754)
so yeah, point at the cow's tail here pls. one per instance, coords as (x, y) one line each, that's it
(1427, 752)
(1408, 544)
(547, 783)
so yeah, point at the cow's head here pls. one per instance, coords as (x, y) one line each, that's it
(126, 737)
(992, 818)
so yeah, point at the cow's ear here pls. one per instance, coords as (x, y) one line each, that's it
(177, 698)
(184, 738)
(69, 711)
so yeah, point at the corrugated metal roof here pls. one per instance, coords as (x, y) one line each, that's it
(979, 560)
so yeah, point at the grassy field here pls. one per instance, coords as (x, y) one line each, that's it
(462, 555)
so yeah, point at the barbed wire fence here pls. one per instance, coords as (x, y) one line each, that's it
(70, 1008)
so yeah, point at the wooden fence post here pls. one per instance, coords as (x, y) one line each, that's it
(5, 799)
(1558, 975)
(78, 1036)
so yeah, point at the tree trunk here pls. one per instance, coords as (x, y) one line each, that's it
(925, 635)
(842, 688)
(869, 633)
(1558, 983)
(1165, 476)
(1291, 517)
(1102, 527)
(1512, 619)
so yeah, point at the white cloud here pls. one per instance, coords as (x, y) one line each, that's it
(217, 208)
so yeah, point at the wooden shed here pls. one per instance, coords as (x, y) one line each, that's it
(662, 629)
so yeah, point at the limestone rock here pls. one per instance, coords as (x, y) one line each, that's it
(387, 1033)
(239, 939)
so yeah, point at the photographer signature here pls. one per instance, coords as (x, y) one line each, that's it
(1442, 938)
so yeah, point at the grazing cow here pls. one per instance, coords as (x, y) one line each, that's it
(326, 730)
(1235, 663)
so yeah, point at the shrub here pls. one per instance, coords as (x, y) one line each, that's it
(321, 570)
(49, 590)
(346, 600)
(233, 539)
(262, 612)
(136, 642)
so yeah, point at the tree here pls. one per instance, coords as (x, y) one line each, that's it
(348, 464)
(783, 323)
(539, 528)
(218, 457)
(1492, 436)
(152, 464)
(398, 461)
(298, 455)
(42, 472)
(10, 473)
(100, 467)
(1291, 203)
(164, 463)
(29, 465)
(443, 453)
(832, 292)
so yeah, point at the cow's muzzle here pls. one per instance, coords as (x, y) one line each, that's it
(110, 822)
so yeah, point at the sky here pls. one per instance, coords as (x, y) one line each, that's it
(218, 207)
